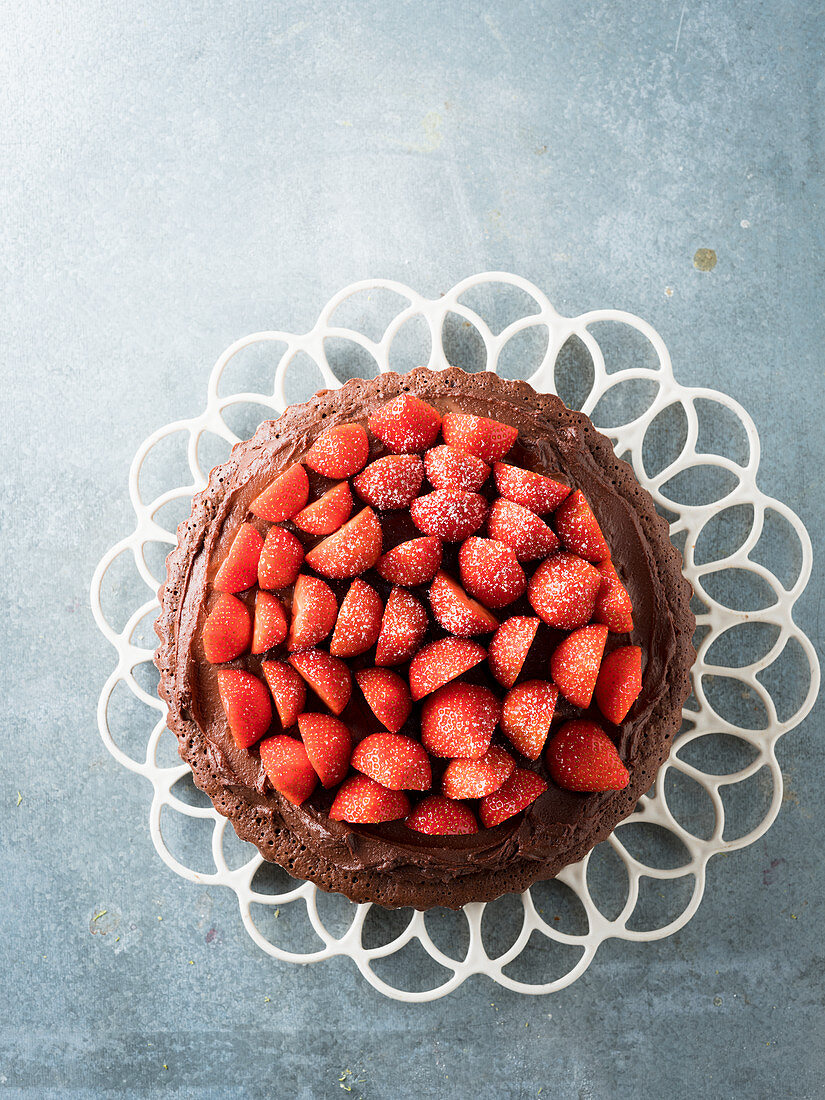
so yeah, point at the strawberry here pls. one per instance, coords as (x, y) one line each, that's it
(284, 497)
(288, 690)
(402, 628)
(574, 665)
(288, 768)
(450, 514)
(439, 662)
(581, 757)
(328, 744)
(487, 439)
(406, 424)
(281, 559)
(563, 591)
(227, 630)
(456, 612)
(613, 605)
(246, 703)
(526, 716)
(362, 801)
(239, 569)
(477, 778)
(579, 529)
(490, 572)
(458, 720)
(388, 697)
(393, 481)
(394, 761)
(339, 452)
(521, 529)
(439, 816)
(354, 548)
(270, 622)
(619, 682)
(314, 609)
(534, 491)
(516, 794)
(413, 562)
(328, 512)
(328, 677)
(509, 647)
(359, 621)
(448, 468)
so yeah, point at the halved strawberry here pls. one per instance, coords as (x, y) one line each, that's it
(574, 665)
(328, 512)
(239, 569)
(270, 622)
(406, 424)
(563, 591)
(458, 720)
(619, 682)
(280, 559)
(284, 497)
(362, 801)
(449, 514)
(394, 761)
(509, 647)
(520, 791)
(521, 529)
(359, 621)
(413, 562)
(526, 716)
(353, 548)
(339, 452)
(227, 630)
(328, 677)
(448, 468)
(387, 695)
(402, 628)
(581, 757)
(613, 607)
(246, 703)
(439, 662)
(439, 816)
(393, 481)
(288, 768)
(328, 744)
(477, 778)
(534, 491)
(490, 572)
(579, 530)
(288, 690)
(314, 608)
(487, 439)
(456, 612)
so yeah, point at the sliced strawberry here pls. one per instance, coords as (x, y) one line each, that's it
(362, 801)
(619, 682)
(448, 468)
(227, 631)
(456, 612)
(328, 512)
(328, 744)
(354, 548)
(270, 622)
(288, 768)
(280, 560)
(487, 439)
(521, 529)
(449, 514)
(439, 662)
(579, 530)
(581, 757)
(388, 698)
(458, 720)
(477, 778)
(288, 690)
(246, 703)
(284, 497)
(359, 621)
(393, 481)
(526, 716)
(439, 816)
(328, 677)
(412, 563)
(574, 665)
(509, 647)
(490, 572)
(520, 791)
(563, 591)
(394, 761)
(406, 424)
(614, 607)
(534, 491)
(402, 628)
(314, 609)
(239, 569)
(339, 452)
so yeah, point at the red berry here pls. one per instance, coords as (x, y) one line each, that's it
(439, 662)
(613, 604)
(339, 452)
(458, 720)
(406, 424)
(490, 572)
(388, 697)
(284, 497)
(354, 548)
(516, 794)
(328, 677)
(391, 482)
(412, 563)
(619, 682)
(288, 690)
(448, 468)
(227, 630)
(574, 665)
(526, 716)
(563, 591)
(402, 628)
(456, 612)
(314, 609)
(328, 744)
(509, 647)
(578, 528)
(280, 559)
(439, 816)
(521, 529)
(449, 514)
(359, 621)
(239, 569)
(394, 761)
(246, 703)
(288, 769)
(581, 757)
(362, 801)
(270, 622)
(477, 778)
(534, 491)
(487, 439)
(328, 512)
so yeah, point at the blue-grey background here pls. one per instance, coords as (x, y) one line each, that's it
(177, 174)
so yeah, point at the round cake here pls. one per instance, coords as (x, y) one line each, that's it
(424, 639)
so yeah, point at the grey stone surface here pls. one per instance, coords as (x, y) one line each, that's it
(179, 174)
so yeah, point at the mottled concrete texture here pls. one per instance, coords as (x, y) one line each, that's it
(178, 174)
